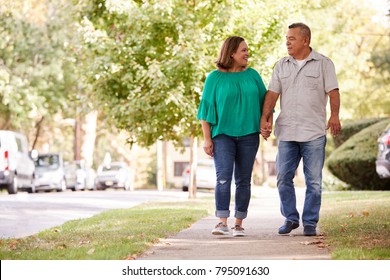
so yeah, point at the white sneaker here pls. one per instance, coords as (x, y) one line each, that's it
(238, 230)
(220, 229)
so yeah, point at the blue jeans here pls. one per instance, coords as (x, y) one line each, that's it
(287, 160)
(238, 154)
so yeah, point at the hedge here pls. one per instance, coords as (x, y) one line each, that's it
(354, 161)
(352, 127)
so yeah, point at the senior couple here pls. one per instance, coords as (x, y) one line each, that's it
(236, 107)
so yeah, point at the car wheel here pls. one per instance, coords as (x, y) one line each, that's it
(13, 186)
(31, 189)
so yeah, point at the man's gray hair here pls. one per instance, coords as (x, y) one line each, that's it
(304, 29)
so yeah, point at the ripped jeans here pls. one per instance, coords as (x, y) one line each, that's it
(234, 154)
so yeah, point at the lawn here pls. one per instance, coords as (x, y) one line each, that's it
(356, 224)
(111, 235)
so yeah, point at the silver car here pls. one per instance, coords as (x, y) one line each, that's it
(49, 173)
(117, 175)
(383, 159)
(205, 175)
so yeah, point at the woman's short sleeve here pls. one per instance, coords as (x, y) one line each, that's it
(207, 110)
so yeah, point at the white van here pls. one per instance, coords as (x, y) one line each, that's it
(17, 169)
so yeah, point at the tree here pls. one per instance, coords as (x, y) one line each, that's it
(151, 58)
(40, 73)
(358, 43)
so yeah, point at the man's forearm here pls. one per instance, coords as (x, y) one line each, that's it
(269, 104)
(334, 100)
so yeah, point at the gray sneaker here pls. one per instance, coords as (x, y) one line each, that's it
(220, 229)
(238, 230)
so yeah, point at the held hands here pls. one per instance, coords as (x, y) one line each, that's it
(208, 147)
(265, 128)
(334, 125)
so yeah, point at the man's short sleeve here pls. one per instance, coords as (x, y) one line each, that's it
(274, 84)
(330, 78)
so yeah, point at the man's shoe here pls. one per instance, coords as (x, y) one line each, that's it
(220, 229)
(309, 231)
(288, 227)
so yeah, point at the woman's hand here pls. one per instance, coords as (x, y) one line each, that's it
(265, 128)
(208, 147)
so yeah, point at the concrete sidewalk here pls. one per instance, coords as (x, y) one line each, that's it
(261, 242)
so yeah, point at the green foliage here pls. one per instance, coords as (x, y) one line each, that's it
(352, 127)
(354, 161)
(359, 45)
(150, 85)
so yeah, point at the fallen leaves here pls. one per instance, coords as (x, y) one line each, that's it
(91, 251)
(343, 227)
(364, 213)
(319, 241)
(13, 244)
(131, 257)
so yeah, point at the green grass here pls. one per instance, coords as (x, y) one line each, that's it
(356, 224)
(112, 235)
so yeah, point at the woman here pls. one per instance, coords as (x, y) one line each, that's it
(230, 112)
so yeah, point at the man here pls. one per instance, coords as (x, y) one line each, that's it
(304, 80)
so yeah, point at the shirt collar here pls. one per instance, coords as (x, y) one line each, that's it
(312, 56)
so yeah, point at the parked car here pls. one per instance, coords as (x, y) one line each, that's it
(74, 176)
(383, 158)
(114, 175)
(17, 170)
(90, 178)
(50, 173)
(205, 175)
(85, 176)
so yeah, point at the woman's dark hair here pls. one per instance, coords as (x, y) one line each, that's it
(225, 60)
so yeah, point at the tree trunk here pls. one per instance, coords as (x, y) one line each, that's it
(193, 165)
(161, 165)
(38, 126)
(88, 138)
(77, 139)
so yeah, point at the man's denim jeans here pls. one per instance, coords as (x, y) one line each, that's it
(287, 160)
(238, 154)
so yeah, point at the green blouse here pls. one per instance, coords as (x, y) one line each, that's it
(232, 101)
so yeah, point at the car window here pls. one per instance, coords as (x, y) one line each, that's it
(48, 161)
(19, 144)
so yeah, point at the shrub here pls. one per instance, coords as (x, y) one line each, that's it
(354, 161)
(352, 127)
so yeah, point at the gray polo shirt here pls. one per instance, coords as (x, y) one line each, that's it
(303, 96)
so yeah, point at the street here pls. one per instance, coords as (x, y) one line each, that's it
(25, 214)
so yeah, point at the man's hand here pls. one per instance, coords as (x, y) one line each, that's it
(334, 125)
(334, 120)
(267, 117)
(265, 128)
